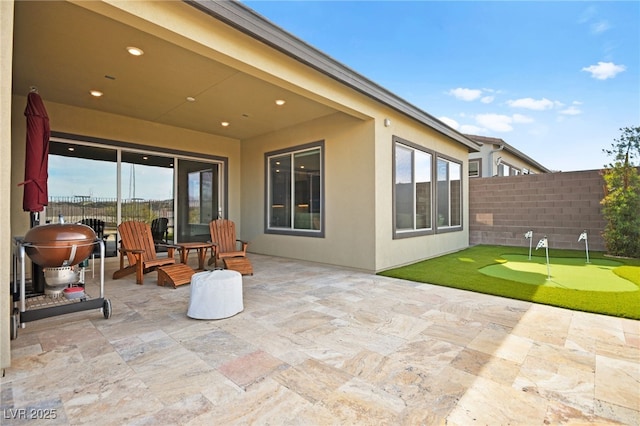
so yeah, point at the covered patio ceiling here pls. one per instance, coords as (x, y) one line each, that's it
(66, 50)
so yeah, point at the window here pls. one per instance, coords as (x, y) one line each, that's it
(295, 191)
(412, 190)
(474, 168)
(449, 193)
(504, 169)
(427, 191)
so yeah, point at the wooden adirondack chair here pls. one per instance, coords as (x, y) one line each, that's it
(225, 244)
(138, 246)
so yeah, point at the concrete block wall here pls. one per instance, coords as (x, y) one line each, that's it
(558, 205)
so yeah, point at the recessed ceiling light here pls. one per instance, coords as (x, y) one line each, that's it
(96, 93)
(135, 51)
(225, 124)
(191, 99)
(280, 102)
(71, 148)
(145, 157)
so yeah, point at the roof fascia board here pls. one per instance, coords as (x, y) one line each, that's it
(508, 148)
(249, 22)
(525, 157)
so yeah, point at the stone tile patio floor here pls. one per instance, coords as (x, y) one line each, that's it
(322, 345)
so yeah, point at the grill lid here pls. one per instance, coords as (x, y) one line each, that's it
(58, 233)
(59, 244)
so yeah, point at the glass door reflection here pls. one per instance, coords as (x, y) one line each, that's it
(200, 203)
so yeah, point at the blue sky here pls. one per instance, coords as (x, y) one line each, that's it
(557, 80)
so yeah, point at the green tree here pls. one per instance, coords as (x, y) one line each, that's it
(621, 203)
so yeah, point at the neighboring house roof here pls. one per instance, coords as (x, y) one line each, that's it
(249, 22)
(508, 148)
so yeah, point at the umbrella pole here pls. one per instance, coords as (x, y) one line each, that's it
(34, 219)
(37, 273)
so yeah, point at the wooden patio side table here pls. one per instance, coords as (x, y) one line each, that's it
(201, 249)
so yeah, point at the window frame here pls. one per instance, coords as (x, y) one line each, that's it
(454, 228)
(502, 166)
(479, 162)
(291, 151)
(408, 233)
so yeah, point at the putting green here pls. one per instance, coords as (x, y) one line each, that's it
(571, 273)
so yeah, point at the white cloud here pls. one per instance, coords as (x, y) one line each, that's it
(466, 94)
(501, 122)
(495, 122)
(487, 99)
(600, 27)
(530, 103)
(472, 130)
(604, 70)
(572, 110)
(519, 118)
(450, 122)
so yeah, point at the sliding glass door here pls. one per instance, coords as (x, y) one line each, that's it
(115, 184)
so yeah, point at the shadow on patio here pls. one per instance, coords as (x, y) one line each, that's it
(317, 344)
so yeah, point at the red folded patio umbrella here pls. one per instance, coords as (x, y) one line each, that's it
(36, 163)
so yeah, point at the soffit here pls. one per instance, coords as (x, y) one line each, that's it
(65, 50)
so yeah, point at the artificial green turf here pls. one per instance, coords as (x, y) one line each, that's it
(564, 272)
(461, 270)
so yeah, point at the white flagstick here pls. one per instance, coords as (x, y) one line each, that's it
(544, 243)
(586, 247)
(546, 248)
(583, 236)
(529, 236)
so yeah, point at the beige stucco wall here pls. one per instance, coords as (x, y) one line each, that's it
(349, 193)
(358, 181)
(358, 193)
(389, 252)
(6, 47)
(85, 122)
